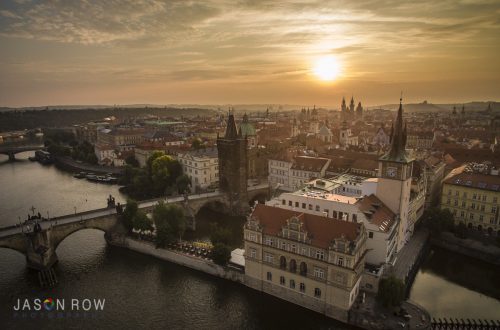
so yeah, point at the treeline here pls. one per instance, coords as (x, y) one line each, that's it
(29, 119)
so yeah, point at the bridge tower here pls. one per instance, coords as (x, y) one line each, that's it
(233, 172)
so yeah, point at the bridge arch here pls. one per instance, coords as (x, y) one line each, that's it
(69, 234)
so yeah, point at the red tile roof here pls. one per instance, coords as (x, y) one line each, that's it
(377, 212)
(321, 230)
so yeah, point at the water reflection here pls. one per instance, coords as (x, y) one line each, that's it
(450, 285)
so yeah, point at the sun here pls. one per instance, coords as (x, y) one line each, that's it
(327, 68)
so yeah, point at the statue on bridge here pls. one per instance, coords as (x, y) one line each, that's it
(111, 201)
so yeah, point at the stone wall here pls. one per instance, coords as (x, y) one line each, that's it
(468, 247)
(192, 262)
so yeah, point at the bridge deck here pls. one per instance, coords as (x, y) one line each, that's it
(13, 230)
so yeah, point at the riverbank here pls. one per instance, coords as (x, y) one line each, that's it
(468, 247)
(366, 317)
(69, 164)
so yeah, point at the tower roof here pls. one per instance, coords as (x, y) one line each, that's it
(397, 153)
(231, 132)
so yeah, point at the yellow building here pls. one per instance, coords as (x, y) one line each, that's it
(473, 199)
(309, 260)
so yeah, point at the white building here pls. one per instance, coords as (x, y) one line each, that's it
(318, 197)
(291, 175)
(202, 166)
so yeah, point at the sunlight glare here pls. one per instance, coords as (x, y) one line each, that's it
(327, 68)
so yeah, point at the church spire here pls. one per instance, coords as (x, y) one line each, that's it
(397, 151)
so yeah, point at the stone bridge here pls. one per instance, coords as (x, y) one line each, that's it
(12, 150)
(39, 246)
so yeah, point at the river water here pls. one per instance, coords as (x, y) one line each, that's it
(143, 292)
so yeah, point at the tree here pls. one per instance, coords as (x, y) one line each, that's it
(220, 235)
(129, 213)
(169, 221)
(183, 183)
(132, 161)
(438, 220)
(197, 144)
(221, 254)
(391, 292)
(141, 222)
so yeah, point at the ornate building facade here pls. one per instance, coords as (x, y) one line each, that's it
(305, 259)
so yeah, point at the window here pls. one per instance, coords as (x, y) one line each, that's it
(303, 205)
(268, 258)
(319, 273)
(317, 208)
(268, 241)
(310, 207)
(293, 266)
(303, 269)
(282, 262)
(283, 202)
(282, 280)
(471, 216)
(269, 276)
(495, 199)
(289, 203)
(292, 284)
(253, 253)
(302, 287)
(317, 292)
(493, 209)
(370, 234)
(340, 261)
(320, 254)
(296, 204)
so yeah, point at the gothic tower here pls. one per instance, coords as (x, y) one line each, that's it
(232, 150)
(395, 173)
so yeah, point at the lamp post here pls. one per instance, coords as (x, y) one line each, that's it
(75, 209)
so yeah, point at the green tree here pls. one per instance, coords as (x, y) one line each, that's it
(221, 253)
(197, 144)
(391, 291)
(131, 209)
(169, 221)
(183, 183)
(438, 220)
(141, 222)
(220, 235)
(132, 161)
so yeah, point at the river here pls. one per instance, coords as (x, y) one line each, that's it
(143, 292)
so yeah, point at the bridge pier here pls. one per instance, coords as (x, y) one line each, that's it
(12, 156)
(40, 253)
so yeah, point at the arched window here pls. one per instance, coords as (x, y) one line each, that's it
(282, 262)
(302, 287)
(293, 266)
(303, 269)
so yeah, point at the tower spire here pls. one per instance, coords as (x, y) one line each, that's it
(397, 151)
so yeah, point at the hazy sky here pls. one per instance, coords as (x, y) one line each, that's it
(230, 52)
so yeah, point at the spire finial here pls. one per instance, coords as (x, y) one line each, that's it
(401, 98)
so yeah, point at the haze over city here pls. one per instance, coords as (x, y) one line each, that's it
(223, 52)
